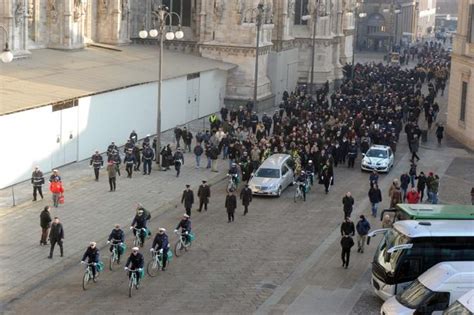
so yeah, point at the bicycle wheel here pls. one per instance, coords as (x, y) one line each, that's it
(152, 268)
(111, 262)
(85, 280)
(296, 195)
(130, 286)
(178, 247)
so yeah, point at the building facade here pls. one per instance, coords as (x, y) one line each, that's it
(224, 30)
(460, 124)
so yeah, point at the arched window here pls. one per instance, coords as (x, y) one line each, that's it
(181, 7)
(301, 9)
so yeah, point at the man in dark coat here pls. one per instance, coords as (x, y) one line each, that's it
(92, 256)
(56, 235)
(96, 162)
(346, 243)
(37, 180)
(204, 193)
(147, 157)
(188, 199)
(246, 197)
(230, 205)
(161, 243)
(45, 223)
(347, 227)
(348, 204)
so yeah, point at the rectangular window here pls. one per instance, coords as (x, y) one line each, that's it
(180, 7)
(470, 25)
(301, 9)
(462, 114)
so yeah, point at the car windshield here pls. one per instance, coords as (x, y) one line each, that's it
(377, 153)
(457, 309)
(392, 238)
(268, 173)
(414, 295)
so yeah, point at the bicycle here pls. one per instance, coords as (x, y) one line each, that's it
(298, 192)
(133, 281)
(88, 274)
(114, 255)
(156, 264)
(182, 243)
(138, 241)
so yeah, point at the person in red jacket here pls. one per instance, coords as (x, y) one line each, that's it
(56, 188)
(413, 196)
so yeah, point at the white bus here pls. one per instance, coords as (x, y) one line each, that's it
(412, 247)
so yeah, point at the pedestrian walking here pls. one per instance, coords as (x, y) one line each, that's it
(347, 227)
(117, 160)
(363, 228)
(387, 222)
(204, 193)
(412, 173)
(147, 158)
(230, 205)
(56, 188)
(246, 197)
(373, 178)
(414, 145)
(96, 162)
(352, 154)
(112, 172)
(178, 161)
(137, 153)
(421, 185)
(404, 182)
(187, 139)
(45, 223)
(434, 187)
(346, 243)
(37, 180)
(54, 176)
(375, 197)
(129, 161)
(439, 132)
(213, 155)
(56, 236)
(348, 204)
(188, 199)
(395, 193)
(198, 151)
(178, 132)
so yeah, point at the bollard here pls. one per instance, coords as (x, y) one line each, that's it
(13, 195)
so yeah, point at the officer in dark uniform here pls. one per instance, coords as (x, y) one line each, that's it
(267, 122)
(254, 122)
(117, 160)
(147, 156)
(160, 243)
(188, 199)
(96, 162)
(37, 180)
(92, 256)
(129, 161)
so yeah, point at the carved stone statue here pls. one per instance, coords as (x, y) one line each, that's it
(19, 12)
(125, 9)
(52, 10)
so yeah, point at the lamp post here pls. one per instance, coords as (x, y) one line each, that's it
(357, 15)
(6, 56)
(317, 11)
(258, 12)
(162, 14)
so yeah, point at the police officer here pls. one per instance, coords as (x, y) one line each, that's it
(37, 180)
(117, 160)
(254, 121)
(139, 223)
(116, 237)
(204, 192)
(110, 149)
(352, 154)
(147, 157)
(129, 161)
(135, 261)
(267, 122)
(92, 256)
(246, 197)
(188, 199)
(161, 244)
(96, 162)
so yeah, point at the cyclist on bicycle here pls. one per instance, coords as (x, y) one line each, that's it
(92, 256)
(145, 212)
(309, 169)
(160, 244)
(301, 183)
(139, 223)
(135, 261)
(116, 237)
(234, 171)
(185, 225)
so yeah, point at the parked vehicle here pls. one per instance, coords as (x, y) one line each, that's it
(463, 306)
(434, 290)
(273, 176)
(379, 158)
(420, 211)
(412, 247)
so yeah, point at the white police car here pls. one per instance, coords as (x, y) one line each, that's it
(379, 158)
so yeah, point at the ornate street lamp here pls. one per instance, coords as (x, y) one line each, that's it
(6, 56)
(163, 31)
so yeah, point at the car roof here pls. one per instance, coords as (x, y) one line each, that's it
(435, 228)
(275, 161)
(468, 300)
(461, 272)
(379, 147)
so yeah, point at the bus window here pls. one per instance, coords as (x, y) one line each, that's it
(409, 268)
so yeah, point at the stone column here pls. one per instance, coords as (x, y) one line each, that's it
(13, 16)
(114, 22)
(66, 24)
